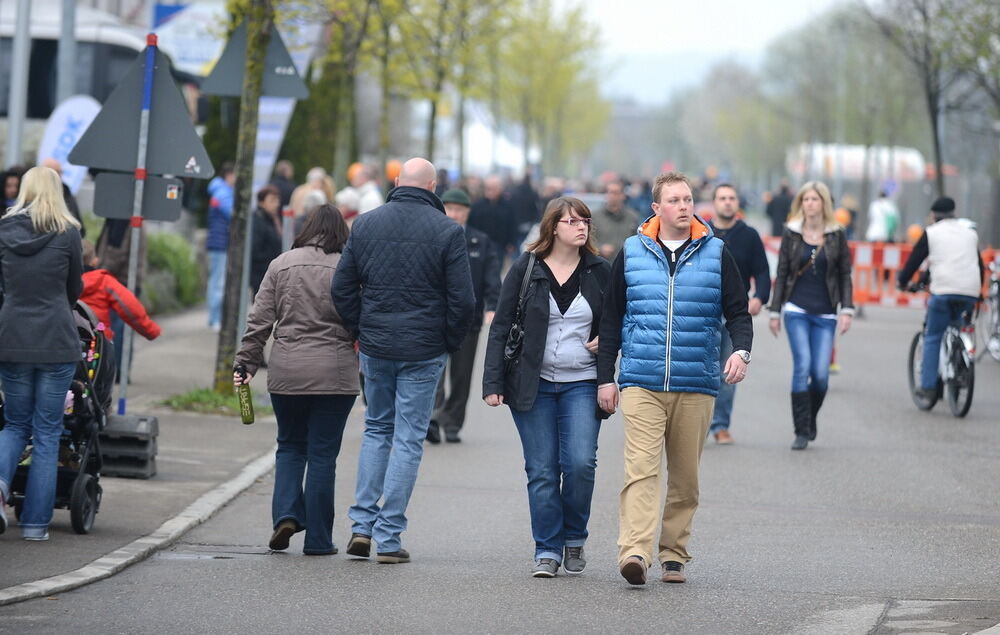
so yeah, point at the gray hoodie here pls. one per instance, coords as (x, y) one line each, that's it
(40, 275)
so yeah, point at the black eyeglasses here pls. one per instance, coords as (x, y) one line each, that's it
(576, 222)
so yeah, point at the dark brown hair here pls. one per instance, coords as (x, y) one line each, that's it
(266, 191)
(325, 228)
(547, 228)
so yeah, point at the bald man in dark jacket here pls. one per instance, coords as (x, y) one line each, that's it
(405, 289)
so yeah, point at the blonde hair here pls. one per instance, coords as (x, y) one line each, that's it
(41, 197)
(829, 218)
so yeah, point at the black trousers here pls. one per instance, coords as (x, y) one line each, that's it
(449, 410)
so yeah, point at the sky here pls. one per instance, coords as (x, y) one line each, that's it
(687, 36)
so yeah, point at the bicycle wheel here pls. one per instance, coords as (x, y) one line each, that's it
(959, 388)
(915, 362)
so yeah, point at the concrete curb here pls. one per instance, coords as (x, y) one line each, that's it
(138, 550)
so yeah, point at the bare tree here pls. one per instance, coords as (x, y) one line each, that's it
(918, 28)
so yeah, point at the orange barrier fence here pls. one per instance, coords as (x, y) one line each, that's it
(874, 271)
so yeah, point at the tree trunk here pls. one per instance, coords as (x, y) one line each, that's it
(335, 110)
(432, 121)
(259, 16)
(933, 106)
(461, 134)
(431, 125)
(384, 138)
(861, 222)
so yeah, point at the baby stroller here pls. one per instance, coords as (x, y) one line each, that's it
(77, 484)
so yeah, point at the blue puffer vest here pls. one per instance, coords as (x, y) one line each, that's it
(670, 333)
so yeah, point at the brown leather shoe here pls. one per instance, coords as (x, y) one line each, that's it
(282, 534)
(673, 572)
(634, 570)
(722, 437)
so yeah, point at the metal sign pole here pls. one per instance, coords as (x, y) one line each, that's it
(17, 103)
(136, 221)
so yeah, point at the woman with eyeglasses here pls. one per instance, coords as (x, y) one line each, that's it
(812, 290)
(550, 384)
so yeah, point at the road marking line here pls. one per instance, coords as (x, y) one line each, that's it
(138, 550)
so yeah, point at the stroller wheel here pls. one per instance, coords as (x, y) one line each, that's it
(83, 503)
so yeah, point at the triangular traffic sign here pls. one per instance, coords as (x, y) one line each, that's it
(281, 78)
(111, 142)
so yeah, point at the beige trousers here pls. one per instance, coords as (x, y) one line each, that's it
(654, 421)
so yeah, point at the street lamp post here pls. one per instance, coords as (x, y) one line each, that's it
(17, 104)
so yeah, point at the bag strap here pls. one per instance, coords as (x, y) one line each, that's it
(524, 283)
(810, 262)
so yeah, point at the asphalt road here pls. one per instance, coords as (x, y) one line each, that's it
(889, 523)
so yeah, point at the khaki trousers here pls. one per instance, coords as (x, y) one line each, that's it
(654, 421)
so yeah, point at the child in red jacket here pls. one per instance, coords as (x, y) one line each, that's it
(102, 292)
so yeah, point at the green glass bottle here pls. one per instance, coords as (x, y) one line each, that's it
(246, 398)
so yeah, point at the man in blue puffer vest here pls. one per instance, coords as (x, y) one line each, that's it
(671, 285)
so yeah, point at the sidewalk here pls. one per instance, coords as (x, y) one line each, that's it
(196, 454)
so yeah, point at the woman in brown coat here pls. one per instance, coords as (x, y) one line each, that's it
(312, 378)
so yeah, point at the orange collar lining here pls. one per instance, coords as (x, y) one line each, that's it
(652, 228)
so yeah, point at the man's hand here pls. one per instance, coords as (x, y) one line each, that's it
(488, 317)
(592, 345)
(735, 370)
(493, 400)
(844, 323)
(775, 325)
(607, 398)
(755, 306)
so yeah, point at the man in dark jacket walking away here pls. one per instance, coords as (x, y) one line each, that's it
(745, 245)
(494, 216)
(403, 285)
(449, 412)
(778, 209)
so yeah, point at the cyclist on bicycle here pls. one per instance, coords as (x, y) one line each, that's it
(951, 247)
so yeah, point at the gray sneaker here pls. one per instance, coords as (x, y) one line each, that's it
(545, 568)
(573, 561)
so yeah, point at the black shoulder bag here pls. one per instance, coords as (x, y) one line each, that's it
(512, 348)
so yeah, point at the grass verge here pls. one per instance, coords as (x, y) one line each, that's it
(207, 401)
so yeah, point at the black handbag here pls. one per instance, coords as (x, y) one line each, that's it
(515, 337)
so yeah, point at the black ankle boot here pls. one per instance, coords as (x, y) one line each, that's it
(816, 398)
(801, 413)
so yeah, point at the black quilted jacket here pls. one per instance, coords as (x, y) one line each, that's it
(403, 284)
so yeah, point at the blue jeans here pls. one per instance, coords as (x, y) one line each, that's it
(35, 398)
(811, 339)
(310, 429)
(400, 398)
(727, 392)
(559, 439)
(942, 310)
(216, 284)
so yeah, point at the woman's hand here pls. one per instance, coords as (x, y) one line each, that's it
(775, 326)
(493, 400)
(844, 323)
(607, 398)
(239, 380)
(592, 345)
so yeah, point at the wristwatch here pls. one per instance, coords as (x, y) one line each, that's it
(744, 355)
